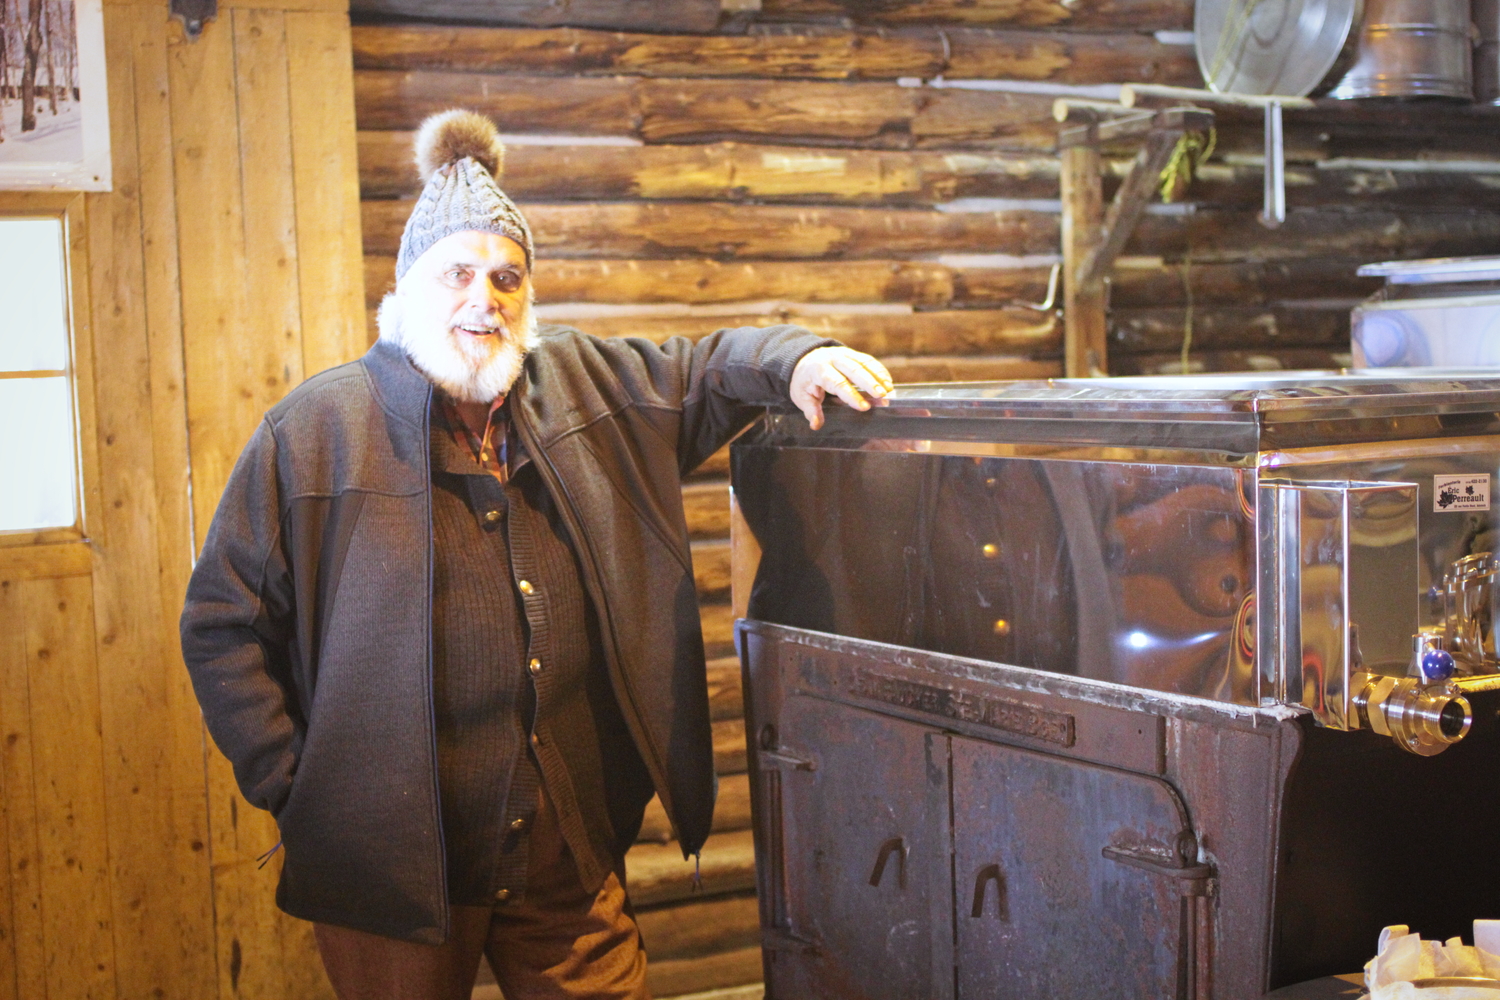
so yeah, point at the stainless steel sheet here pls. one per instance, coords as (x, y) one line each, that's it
(1114, 530)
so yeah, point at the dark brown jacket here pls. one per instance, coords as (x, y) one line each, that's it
(308, 618)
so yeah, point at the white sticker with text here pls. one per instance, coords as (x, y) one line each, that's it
(1461, 492)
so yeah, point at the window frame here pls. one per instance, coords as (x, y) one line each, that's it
(69, 208)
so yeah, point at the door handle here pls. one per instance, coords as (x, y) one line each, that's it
(1198, 879)
(897, 847)
(771, 759)
(986, 875)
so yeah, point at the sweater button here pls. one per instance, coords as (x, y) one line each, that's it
(536, 740)
(491, 516)
(517, 825)
(526, 587)
(502, 895)
(535, 666)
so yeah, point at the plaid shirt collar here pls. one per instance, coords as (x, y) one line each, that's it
(496, 451)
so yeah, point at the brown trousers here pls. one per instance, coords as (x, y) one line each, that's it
(559, 943)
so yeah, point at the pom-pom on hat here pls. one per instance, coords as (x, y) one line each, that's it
(460, 156)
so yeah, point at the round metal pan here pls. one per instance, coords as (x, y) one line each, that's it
(1290, 48)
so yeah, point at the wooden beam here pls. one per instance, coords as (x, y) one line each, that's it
(962, 53)
(731, 811)
(1228, 327)
(726, 231)
(1251, 283)
(679, 15)
(709, 977)
(1084, 303)
(1130, 15)
(700, 927)
(729, 171)
(658, 873)
(923, 284)
(881, 115)
(1129, 202)
(1170, 363)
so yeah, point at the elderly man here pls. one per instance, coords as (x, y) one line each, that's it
(444, 623)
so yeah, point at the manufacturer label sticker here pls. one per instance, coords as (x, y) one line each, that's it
(1461, 492)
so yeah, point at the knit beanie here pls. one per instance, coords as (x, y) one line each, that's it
(459, 155)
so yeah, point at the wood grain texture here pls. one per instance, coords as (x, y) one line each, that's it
(679, 15)
(161, 893)
(1292, 359)
(1145, 330)
(707, 976)
(707, 508)
(731, 811)
(727, 231)
(960, 53)
(1239, 283)
(708, 282)
(37, 562)
(711, 569)
(700, 927)
(881, 115)
(729, 171)
(324, 174)
(71, 818)
(23, 950)
(657, 873)
(1136, 15)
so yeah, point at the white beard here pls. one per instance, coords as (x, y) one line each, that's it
(467, 369)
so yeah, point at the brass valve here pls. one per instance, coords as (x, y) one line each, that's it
(1425, 719)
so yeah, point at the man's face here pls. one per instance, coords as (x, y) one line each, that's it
(463, 313)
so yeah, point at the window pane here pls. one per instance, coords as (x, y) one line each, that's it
(34, 315)
(36, 454)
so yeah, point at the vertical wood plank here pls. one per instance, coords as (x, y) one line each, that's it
(325, 158)
(274, 316)
(69, 781)
(1084, 304)
(234, 372)
(24, 968)
(162, 893)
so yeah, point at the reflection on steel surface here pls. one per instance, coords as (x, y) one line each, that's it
(1233, 538)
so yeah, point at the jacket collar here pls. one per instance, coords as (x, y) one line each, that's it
(401, 391)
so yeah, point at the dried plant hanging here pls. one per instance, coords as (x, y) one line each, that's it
(1191, 150)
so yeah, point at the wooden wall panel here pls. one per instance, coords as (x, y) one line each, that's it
(129, 864)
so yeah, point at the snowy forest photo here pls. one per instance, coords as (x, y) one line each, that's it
(40, 112)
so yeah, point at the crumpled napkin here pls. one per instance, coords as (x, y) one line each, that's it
(1403, 957)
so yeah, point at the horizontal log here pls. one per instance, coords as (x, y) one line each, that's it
(883, 115)
(718, 642)
(708, 977)
(726, 700)
(707, 508)
(1313, 186)
(1258, 283)
(1228, 328)
(731, 811)
(679, 15)
(657, 873)
(716, 466)
(971, 369)
(726, 231)
(711, 570)
(728, 171)
(1130, 15)
(959, 53)
(1294, 359)
(1374, 234)
(729, 746)
(951, 331)
(700, 927)
(923, 284)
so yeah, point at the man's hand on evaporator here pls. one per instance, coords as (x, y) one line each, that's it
(856, 378)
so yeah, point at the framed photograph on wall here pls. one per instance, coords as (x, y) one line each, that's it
(54, 108)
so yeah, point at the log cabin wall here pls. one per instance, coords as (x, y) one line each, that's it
(840, 164)
(222, 268)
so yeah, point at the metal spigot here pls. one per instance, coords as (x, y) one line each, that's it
(1426, 713)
